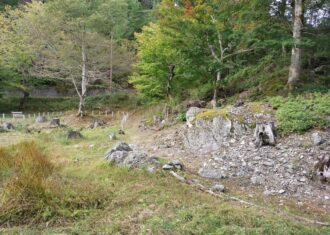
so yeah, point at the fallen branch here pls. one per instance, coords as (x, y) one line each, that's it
(224, 196)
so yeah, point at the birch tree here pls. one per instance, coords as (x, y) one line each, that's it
(294, 70)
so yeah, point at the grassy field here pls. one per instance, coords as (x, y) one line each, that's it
(52, 185)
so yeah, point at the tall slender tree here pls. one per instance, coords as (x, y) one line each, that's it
(295, 67)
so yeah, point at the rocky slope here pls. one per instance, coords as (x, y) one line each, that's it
(220, 144)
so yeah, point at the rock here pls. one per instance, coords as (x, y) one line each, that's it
(113, 136)
(257, 180)
(267, 193)
(157, 120)
(264, 134)
(55, 122)
(7, 126)
(282, 191)
(218, 188)
(239, 103)
(191, 115)
(176, 164)
(196, 103)
(213, 133)
(97, 123)
(135, 159)
(117, 157)
(142, 125)
(151, 169)
(124, 155)
(121, 146)
(41, 119)
(167, 167)
(211, 173)
(317, 138)
(74, 135)
(121, 132)
(154, 161)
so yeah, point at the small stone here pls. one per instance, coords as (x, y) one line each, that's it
(302, 179)
(7, 126)
(317, 138)
(267, 193)
(281, 191)
(167, 167)
(176, 164)
(218, 188)
(113, 136)
(268, 163)
(326, 197)
(151, 169)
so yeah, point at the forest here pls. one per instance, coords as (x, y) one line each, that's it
(229, 93)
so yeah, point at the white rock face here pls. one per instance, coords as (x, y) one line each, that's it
(191, 115)
(212, 133)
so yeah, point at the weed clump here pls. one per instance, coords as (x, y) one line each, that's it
(34, 191)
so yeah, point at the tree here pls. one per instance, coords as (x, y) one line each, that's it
(16, 55)
(294, 71)
(65, 47)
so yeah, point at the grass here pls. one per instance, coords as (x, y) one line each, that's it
(89, 196)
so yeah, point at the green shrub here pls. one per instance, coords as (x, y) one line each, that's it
(181, 117)
(302, 113)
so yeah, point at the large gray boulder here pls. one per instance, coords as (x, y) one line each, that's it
(122, 154)
(212, 133)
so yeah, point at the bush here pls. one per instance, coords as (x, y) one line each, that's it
(181, 117)
(302, 113)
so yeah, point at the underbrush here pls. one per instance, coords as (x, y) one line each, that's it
(34, 191)
(51, 104)
(301, 113)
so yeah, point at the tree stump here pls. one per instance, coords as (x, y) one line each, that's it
(55, 122)
(322, 168)
(265, 134)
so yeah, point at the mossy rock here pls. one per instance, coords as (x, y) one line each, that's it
(211, 113)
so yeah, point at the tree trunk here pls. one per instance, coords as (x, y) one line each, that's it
(169, 80)
(24, 99)
(294, 71)
(111, 62)
(215, 89)
(81, 111)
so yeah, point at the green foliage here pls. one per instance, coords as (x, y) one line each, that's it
(302, 113)
(181, 117)
(49, 104)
